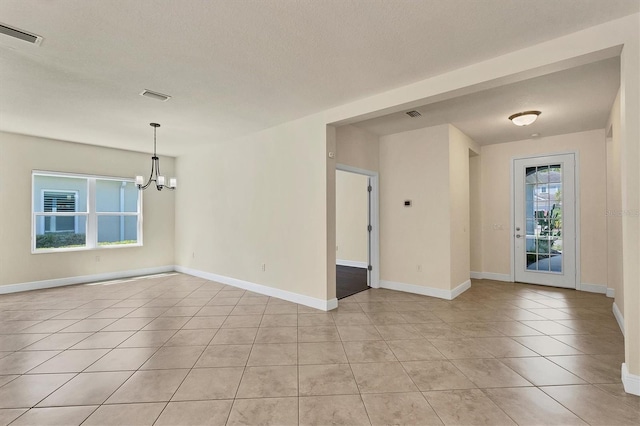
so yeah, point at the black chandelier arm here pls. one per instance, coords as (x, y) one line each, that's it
(151, 179)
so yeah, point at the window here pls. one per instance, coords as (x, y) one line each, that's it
(79, 212)
(59, 201)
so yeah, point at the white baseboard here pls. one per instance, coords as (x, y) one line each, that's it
(460, 289)
(630, 381)
(593, 288)
(618, 315)
(59, 282)
(312, 302)
(490, 276)
(497, 277)
(426, 291)
(352, 263)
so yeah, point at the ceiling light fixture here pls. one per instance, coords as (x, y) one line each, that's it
(155, 170)
(524, 118)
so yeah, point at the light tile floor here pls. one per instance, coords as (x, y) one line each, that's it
(173, 349)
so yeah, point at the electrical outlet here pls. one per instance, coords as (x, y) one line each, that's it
(264, 267)
(336, 248)
(419, 268)
(97, 258)
(193, 255)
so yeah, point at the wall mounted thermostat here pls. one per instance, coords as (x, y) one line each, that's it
(407, 203)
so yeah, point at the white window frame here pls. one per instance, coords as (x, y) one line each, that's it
(91, 214)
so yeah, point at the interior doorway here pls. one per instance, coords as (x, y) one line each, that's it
(544, 209)
(356, 218)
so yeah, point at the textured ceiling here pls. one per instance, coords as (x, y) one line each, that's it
(572, 100)
(235, 67)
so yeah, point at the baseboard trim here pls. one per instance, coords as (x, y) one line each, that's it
(352, 263)
(426, 291)
(83, 279)
(630, 381)
(611, 292)
(490, 276)
(593, 288)
(476, 275)
(460, 289)
(497, 277)
(618, 316)
(312, 302)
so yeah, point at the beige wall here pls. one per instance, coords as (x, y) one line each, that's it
(19, 155)
(428, 243)
(415, 241)
(259, 199)
(459, 150)
(475, 213)
(357, 148)
(614, 206)
(496, 209)
(630, 155)
(352, 217)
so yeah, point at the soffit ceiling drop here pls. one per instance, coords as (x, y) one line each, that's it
(236, 67)
(573, 100)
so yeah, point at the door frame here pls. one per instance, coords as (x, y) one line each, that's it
(512, 226)
(374, 218)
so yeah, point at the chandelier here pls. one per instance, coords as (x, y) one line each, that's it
(155, 170)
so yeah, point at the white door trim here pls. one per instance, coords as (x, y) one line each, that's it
(375, 220)
(577, 210)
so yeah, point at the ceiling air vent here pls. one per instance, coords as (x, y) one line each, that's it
(413, 114)
(155, 95)
(20, 35)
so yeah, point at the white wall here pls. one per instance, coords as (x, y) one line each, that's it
(496, 209)
(19, 155)
(352, 218)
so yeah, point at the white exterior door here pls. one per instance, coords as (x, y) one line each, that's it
(544, 220)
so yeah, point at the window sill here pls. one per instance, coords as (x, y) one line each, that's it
(76, 249)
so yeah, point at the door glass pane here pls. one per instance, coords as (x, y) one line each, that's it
(543, 218)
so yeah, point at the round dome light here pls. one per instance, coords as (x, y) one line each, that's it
(524, 118)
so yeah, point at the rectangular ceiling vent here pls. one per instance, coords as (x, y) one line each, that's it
(413, 114)
(155, 95)
(20, 35)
